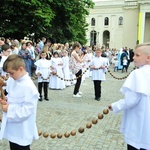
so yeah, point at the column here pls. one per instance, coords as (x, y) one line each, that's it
(141, 28)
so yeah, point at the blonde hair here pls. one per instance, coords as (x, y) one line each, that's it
(64, 51)
(145, 47)
(99, 50)
(45, 48)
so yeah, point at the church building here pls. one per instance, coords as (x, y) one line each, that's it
(119, 23)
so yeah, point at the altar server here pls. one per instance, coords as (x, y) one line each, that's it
(98, 67)
(136, 102)
(19, 109)
(43, 73)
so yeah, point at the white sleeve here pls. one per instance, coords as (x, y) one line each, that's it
(130, 100)
(37, 70)
(17, 113)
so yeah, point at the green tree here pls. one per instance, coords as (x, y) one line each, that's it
(61, 20)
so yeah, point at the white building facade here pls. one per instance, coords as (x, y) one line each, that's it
(119, 23)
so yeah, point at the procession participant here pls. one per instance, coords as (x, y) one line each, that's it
(65, 68)
(136, 102)
(19, 110)
(43, 73)
(56, 65)
(99, 67)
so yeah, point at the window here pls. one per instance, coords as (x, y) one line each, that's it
(93, 22)
(120, 21)
(106, 21)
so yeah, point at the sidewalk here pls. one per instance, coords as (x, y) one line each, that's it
(63, 113)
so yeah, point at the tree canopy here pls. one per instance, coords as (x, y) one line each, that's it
(60, 20)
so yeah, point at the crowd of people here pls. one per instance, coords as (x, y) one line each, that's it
(68, 61)
(57, 66)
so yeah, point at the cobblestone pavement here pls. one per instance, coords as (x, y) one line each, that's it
(63, 113)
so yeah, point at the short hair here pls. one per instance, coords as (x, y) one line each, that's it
(99, 50)
(5, 47)
(14, 62)
(146, 47)
(143, 44)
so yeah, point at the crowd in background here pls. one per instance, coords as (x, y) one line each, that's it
(30, 52)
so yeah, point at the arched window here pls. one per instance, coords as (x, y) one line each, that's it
(106, 21)
(93, 22)
(120, 21)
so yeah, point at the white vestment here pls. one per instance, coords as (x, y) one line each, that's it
(66, 70)
(136, 106)
(19, 123)
(99, 74)
(55, 81)
(43, 66)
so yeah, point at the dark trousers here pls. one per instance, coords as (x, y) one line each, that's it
(97, 88)
(125, 67)
(78, 82)
(128, 63)
(40, 86)
(129, 147)
(14, 146)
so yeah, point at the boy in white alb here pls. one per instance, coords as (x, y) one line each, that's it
(136, 102)
(43, 73)
(99, 67)
(19, 111)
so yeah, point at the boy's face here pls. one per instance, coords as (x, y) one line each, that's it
(15, 74)
(140, 58)
(98, 53)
